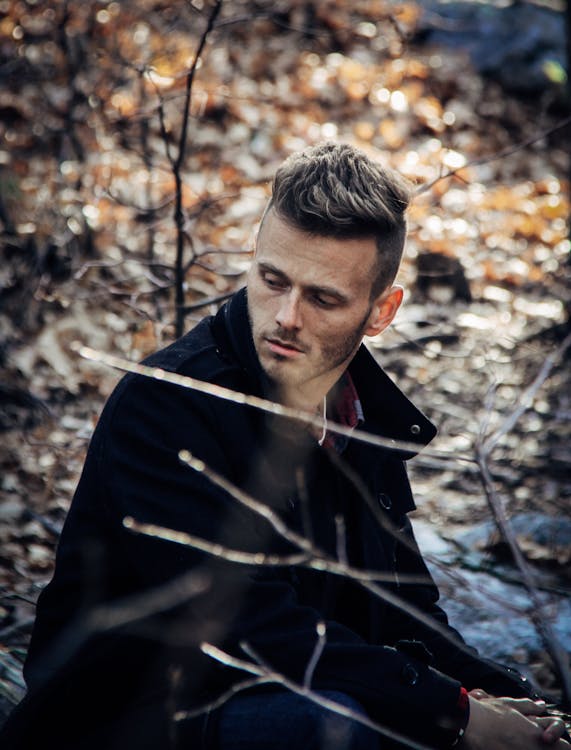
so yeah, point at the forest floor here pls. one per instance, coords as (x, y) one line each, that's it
(469, 359)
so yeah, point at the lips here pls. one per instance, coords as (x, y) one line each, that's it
(283, 348)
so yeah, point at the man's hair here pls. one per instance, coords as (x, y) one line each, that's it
(336, 190)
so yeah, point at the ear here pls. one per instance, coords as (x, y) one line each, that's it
(384, 309)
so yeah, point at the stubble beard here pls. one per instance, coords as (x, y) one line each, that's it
(331, 357)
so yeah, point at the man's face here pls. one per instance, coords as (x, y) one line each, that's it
(309, 305)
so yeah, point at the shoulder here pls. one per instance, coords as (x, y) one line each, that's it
(196, 354)
(140, 399)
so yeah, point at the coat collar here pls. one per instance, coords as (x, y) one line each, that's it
(388, 412)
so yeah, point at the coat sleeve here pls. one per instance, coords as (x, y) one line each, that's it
(450, 655)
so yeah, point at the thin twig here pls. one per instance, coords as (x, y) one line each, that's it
(304, 542)
(556, 651)
(261, 509)
(189, 81)
(369, 580)
(258, 667)
(176, 168)
(213, 548)
(314, 559)
(509, 151)
(164, 131)
(205, 302)
(270, 407)
(222, 699)
(316, 655)
(289, 535)
(484, 447)
(149, 602)
(527, 397)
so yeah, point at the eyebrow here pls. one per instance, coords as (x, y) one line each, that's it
(313, 288)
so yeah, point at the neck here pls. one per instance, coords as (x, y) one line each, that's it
(307, 399)
(298, 399)
(318, 409)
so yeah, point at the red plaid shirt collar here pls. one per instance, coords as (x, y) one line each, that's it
(346, 410)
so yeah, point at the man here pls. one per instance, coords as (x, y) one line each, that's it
(137, 637)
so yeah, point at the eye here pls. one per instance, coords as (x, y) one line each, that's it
(273, 280)
(324, 301)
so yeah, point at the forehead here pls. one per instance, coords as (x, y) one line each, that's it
(314, 259)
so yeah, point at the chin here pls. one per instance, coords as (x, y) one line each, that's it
(274, 369)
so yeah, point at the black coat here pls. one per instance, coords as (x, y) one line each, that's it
(116, 645)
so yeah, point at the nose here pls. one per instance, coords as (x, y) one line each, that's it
(288, 315)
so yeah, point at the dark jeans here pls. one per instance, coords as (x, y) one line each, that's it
(282, 720)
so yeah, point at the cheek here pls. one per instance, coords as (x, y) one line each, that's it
(329, 334)
(255, 291)
(259, 304)
(340, 335)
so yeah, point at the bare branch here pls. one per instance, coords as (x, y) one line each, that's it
(221, 700)
(537, 615)
(149, 602)
(212, 548)
(316, 655)
(147, 210)
(484, 447)
(493, 157)
(230, 661)
(528, 396)
(189, 81)
(177, 163)
(270, 407)
(249, 502)
(205, 302)
(315, 559)
(85, 267)
(258, 667)
(319, 560)
(164, 131)
(369, 580)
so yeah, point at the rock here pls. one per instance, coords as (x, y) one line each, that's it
(483, 607)
(20, 409)
(522, 46)
(11, 508)
(440, 278)
(541, 537)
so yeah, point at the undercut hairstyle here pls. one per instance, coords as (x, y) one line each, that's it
(336, 190)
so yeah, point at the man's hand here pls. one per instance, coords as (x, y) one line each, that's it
(511, 724)
(553, 728)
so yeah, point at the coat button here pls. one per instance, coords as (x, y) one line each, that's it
(385, 501)
(415, 429)
(409, 675)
